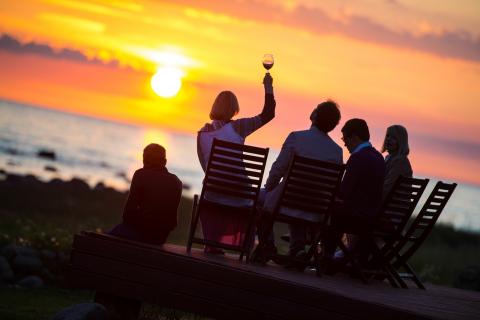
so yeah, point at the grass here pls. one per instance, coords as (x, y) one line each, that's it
(445, 254)
(47, 216)
(37, 304)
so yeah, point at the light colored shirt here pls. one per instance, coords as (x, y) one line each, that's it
(312, 143)
(362, 145)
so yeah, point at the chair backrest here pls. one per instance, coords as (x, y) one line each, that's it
(310, 188)
(424, 222)
(234, 171)
(398, 206)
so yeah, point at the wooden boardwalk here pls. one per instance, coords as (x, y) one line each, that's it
(224, 288)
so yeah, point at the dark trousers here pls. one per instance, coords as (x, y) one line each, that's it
(343, 221)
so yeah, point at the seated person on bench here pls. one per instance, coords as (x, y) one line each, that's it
(150, 213)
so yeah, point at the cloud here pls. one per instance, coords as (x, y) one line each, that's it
(454, 44)
(444, 145)
(9, 43)
(459, 44)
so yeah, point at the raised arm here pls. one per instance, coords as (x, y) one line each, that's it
(279, 167)
(247, 126)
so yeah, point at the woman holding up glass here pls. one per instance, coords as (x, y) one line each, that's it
(223, 127)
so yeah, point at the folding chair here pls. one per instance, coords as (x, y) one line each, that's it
(307, 198)
(395, 211)
(418, 231)
(231, 185)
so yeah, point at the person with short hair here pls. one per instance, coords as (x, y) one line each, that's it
(150, 213)
(223, 127)
(361, 188)
(312, 143)
(396, 161)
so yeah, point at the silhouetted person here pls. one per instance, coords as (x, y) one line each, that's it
(222, 127)
(397, 163)
(361, 189)
(312, 143)
(150, 212)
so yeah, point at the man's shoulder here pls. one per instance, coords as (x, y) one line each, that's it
(173, 177)
(369, 155)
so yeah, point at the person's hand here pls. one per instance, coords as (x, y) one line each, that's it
(268, 83)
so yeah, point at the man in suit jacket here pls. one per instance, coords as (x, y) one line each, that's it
(150, 213)
(313, 143)
(361, 188)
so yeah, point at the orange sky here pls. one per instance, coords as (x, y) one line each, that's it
(397, 61)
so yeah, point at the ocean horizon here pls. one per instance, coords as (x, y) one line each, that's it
(103, 151)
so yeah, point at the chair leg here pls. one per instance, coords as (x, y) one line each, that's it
(414, 276)
(390, 278)
(391, 270)
(247, 242)
(193, 223)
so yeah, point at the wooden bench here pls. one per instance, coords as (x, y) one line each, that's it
(223, 287)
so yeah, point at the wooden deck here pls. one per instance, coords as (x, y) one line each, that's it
(224, 288)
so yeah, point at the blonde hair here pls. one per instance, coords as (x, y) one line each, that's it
(225, 106)
(400, 134)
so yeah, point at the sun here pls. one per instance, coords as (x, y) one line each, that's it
(167, 81)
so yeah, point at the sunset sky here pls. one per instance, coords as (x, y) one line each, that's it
(415, 63)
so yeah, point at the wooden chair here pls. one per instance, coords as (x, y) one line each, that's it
(232, 183)
(307, 198)
(394, 214)
(417, 232)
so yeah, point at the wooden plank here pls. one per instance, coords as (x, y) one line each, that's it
(260, 283)
(240, 155)
(315, 162)
(222, 168)
(154, 279)
(241, 147)
(236, 163)
(346, 297)
(211, 181)
(175, 300)
(237, 178)
(241, 195)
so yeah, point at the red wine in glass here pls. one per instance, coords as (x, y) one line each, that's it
(268, 61)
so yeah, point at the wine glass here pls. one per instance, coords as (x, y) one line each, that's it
(267, 61)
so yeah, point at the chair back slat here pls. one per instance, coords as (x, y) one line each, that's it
(232, 193)
(239, 154)
(310, 186)
(235, 162)
(219, 144)
(235, 178)
(216, 167)
(234, 170)
(234, 185)
(423, 223)
(398, 208)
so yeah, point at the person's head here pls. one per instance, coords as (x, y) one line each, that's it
(355, 131)
(326, 116)
(396, 140)
(225, 106)
(154, 155)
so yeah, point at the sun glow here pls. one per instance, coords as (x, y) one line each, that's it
(167, 81)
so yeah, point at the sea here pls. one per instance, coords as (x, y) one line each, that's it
(101, 151)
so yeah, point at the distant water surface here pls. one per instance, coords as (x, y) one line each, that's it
(102, 151)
